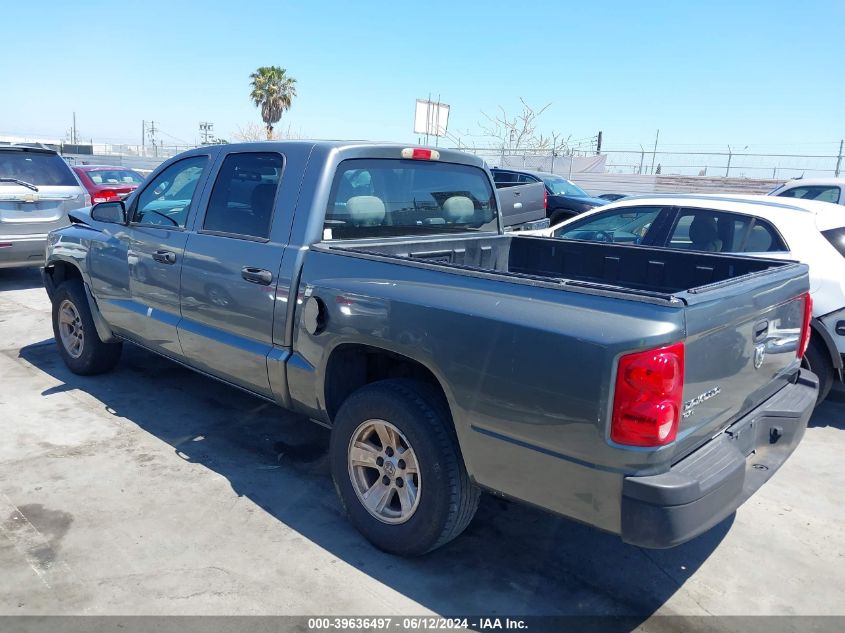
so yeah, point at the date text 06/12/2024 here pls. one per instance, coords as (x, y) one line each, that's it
(422, 623)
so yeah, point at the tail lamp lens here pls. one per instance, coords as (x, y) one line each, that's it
(647, 399)
(107, 195)
(805, 325)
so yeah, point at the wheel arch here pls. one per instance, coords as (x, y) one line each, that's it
(58, 271)
(351, 366)
(820, 334)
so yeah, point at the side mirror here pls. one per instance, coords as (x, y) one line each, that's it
(112, 212)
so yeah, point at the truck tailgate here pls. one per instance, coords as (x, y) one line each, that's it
(522, 203)
(741, 342)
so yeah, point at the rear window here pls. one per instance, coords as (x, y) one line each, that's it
(388, 197)
(36, 168)
(837, 238)
(114, 177)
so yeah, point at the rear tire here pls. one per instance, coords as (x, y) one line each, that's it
(817, 360)
(440, 500)
(76, 336)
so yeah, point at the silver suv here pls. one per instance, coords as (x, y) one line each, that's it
(37, 189)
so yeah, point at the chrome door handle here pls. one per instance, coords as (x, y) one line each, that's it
(257, 275)
(165, 257)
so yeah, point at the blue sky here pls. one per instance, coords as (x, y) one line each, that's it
(763, 74)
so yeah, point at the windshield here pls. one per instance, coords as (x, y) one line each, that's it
(390, 197)
(37, 168)
(114, 177)
(562, 187)
(626, 225)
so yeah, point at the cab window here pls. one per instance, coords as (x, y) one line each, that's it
(241, 201)
(167, 199)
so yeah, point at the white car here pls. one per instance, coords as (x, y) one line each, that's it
(821, 189)
(805, 230)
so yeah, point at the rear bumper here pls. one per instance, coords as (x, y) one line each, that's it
(665, 510)
(22, 250)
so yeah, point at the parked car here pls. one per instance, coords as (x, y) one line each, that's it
(107, 183)
(821, 189)
(564, 198)
(810, 231)
(613, 197)
(37, 189)
(370, 287)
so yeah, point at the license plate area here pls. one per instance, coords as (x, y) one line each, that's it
(744, 433)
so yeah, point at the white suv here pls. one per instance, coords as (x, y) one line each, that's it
(806, 230)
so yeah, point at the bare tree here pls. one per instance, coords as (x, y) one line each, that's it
(250, 132)
(254, 132)
(516, 132)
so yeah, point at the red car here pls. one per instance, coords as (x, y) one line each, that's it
(108, 183)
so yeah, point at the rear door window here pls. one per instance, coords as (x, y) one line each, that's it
(42, 169)
(721, 232)
(504, 177)
(242, 199)
(392, 197)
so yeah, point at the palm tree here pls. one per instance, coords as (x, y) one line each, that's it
(272, 91)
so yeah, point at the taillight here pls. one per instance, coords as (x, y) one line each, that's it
(106, 195)
(647, 400)
(805, 326)
(420, 153)
(545, 200)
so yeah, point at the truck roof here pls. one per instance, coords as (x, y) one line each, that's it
(328, 146)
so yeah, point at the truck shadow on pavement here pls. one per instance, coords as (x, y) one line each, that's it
(20, 278)
(512, 559)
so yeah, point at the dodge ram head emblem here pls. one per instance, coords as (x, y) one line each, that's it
(759, 355)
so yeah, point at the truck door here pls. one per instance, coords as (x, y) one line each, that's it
(230, 272)
(154, 243)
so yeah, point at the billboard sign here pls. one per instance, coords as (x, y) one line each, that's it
(431, 118)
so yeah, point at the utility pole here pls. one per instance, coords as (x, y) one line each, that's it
(598, 144)
(838, 159)
(151, 130)
(73, 131)
(654, 153)
(206, 132)
(642, 157)
(730, 155)
(143, 138)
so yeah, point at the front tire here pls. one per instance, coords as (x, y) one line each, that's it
(817, 360)
(398, 470)
(559, 216)
(76, 336)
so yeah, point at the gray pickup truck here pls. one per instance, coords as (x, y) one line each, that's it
(370, 287)
(522, 206)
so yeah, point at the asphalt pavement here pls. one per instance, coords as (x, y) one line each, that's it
(154, 490)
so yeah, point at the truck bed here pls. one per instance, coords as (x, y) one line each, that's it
(637, 268)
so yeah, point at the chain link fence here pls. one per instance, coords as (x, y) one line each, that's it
(753, 165)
